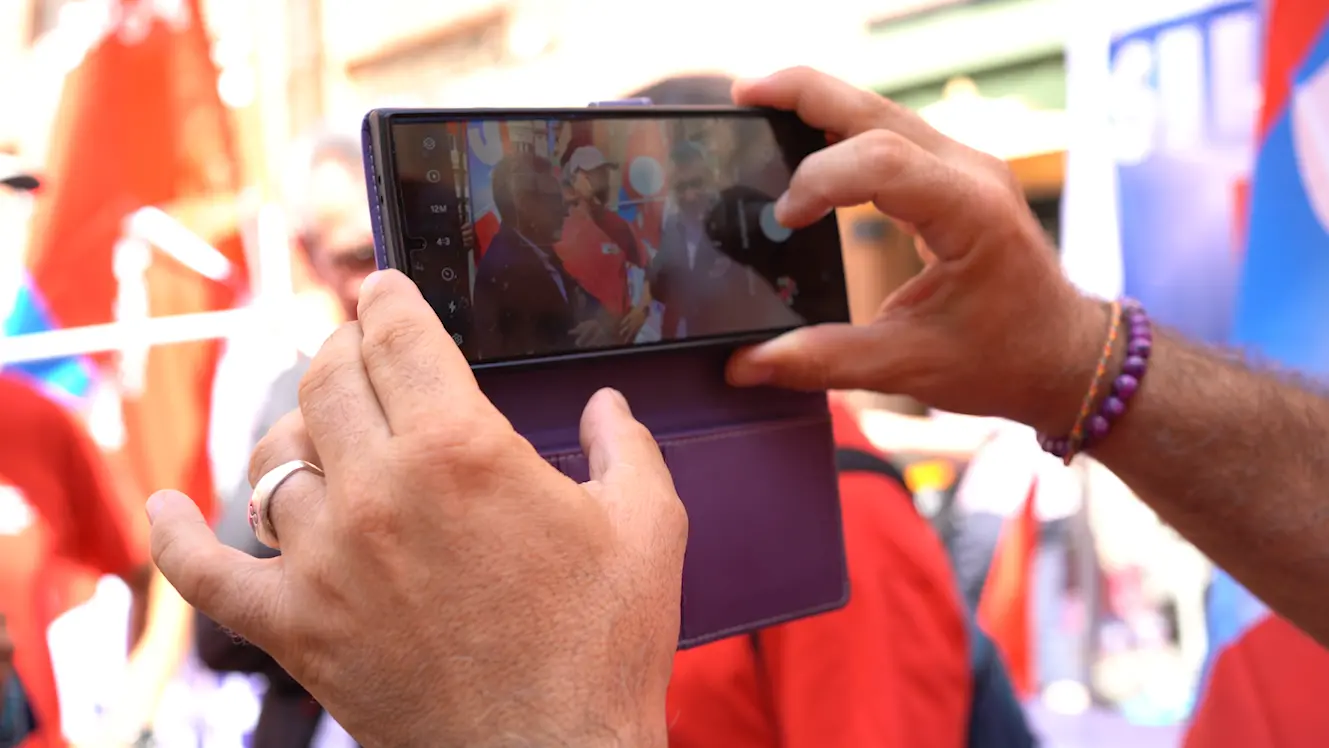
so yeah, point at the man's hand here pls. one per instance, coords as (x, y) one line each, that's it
(990, 327)
(443, 584)
(590, 334)
(631, 324)
(1230, 457)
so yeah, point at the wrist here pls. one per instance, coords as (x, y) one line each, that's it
(1075, 348)
(648, 731)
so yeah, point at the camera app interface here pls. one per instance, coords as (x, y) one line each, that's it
(542, 238)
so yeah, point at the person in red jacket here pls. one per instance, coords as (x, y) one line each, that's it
(889, 669)
(57, 507)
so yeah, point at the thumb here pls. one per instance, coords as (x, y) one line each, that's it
(617, 446)
(826, 357)
(227, 585)
(627, 463)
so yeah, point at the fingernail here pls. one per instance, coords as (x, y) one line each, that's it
(619, 400)
(154, 505)
(370, 281)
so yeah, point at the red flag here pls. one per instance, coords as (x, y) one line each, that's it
(1005, 609)
(141, 124)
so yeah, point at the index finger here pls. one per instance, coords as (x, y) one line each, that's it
(412, 362)
(238, 591)
(830, 104)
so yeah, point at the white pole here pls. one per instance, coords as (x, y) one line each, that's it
(135, 332)
(163, 231)
(119, 336)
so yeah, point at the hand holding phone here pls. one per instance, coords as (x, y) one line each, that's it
(634, 248)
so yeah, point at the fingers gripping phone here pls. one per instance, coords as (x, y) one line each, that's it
(635, 247)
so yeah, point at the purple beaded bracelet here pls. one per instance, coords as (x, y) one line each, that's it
(1139, 346)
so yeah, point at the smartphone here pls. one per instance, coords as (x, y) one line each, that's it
(633, 248)
(553, 234)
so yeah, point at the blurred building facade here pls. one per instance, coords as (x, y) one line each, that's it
(291, 64)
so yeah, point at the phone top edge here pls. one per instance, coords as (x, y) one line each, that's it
(727, 340)
(596, 111)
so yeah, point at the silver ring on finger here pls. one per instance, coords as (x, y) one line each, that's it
(260, 502)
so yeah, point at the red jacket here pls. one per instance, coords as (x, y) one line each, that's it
(890, 669)
(58, 512)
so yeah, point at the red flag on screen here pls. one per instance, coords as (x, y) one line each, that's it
(1005, 608)
(141, 124)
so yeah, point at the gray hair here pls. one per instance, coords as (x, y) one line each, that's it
(711, 89)
(307, 154)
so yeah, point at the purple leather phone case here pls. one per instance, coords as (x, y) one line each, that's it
(754, 468)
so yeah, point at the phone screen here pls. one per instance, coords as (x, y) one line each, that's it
(538, 238)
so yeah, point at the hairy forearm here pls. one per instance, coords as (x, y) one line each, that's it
(1234, 459)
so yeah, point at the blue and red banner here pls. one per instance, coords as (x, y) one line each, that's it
(1265, 680)
(1182, 117)
(66, 379)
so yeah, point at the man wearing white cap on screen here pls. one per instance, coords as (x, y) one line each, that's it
(599, 245)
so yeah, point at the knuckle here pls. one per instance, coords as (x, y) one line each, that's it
(888, 109)
(998, 193)
(264, 457)
(883, 152)
(801, 73)
(190, 576)
(1001, 172)
(817, 373)
(467, 449)
(490, 447)
(811, 181)
(391, 338)
(636, 431)
(373, 515)
(320, 380)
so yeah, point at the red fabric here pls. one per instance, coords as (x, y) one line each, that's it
(1265, 691)
(890, 669)
(597, 261)
(1005, 607)
(1291, 29)
(140, 124)
(486, 228)
(57, 507)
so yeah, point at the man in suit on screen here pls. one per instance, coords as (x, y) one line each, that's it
(525, 300)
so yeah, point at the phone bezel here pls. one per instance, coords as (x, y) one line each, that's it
(387, 190)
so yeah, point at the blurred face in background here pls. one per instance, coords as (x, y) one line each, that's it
(694, 185)
(337, 234)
